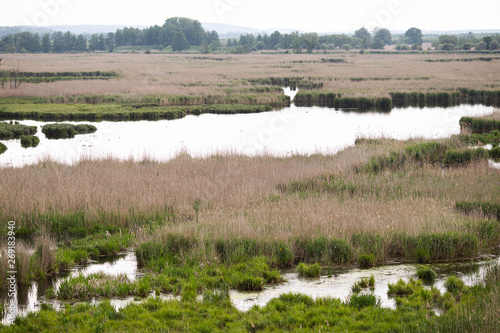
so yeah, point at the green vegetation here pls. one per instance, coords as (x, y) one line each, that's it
(310, 271)
(478, 125)
(15, 131)
(363, 283)
(29, 141)
(3, 148)
(366, 260)
(45, 77)
(330, 99)
(115, 112)
(426, 274)
(66, 131)
(469, 310)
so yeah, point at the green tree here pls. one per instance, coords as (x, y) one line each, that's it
(46, 44)
(192, 29)
(110, 41)
(311, 41)
(364, 36)
(385, 35)
(180, 42)
(378, 44)
(414, 36)
(205, 48)
(448, 39)
(296, 46)
(494, 45)
(487, 40)
(260, 45)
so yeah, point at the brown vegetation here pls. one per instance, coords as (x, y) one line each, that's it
(159, 74)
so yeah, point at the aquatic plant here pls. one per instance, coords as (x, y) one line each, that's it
(310, 271)
(29, 141)
(66, 131)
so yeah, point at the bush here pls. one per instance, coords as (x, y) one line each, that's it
(310, 271)
(366, 260)
(29, 141)
(426, 274)
(66, 131)
(454, 285)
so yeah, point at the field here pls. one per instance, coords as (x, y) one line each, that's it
(227, 75)
(201, 227)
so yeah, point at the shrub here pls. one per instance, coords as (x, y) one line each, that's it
(29, 141)
(66, 131)
(426, 274)
(366, 260)
(310, 271)
(454, 285)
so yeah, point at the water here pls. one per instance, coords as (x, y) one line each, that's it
(302, 130)
(338, 285)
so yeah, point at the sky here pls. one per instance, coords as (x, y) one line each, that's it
(304, 15)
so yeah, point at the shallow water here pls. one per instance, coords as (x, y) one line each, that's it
(292, 130)
(338, 285)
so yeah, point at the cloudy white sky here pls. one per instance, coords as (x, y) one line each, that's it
(305, 15)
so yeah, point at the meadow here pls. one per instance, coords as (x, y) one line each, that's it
(203, 226)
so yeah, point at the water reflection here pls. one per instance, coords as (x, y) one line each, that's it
(303, 130)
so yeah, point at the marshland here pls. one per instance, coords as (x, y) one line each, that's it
(211, 227)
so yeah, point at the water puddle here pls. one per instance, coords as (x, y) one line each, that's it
(338, 285)
(302, 130)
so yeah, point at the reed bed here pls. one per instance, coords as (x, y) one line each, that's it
(185, 75)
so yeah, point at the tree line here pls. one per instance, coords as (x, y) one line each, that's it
(181, 33)
(178, 32)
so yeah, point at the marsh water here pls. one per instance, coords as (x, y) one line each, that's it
(292, 130)
(336, 283)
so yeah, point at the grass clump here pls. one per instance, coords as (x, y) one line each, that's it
(426, 274)
(310, 271)
(29, 141)
(96, 285)
(366, 260)
(363, 283)
(3, 148)
(454, 285)
(66, 131)
(360, 301)
(10, 131)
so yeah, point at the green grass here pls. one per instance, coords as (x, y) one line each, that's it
(3, 148)
(478, 125)
(426, 274)
(310, 271)
(15, 131)
(66, 131)
(29, 141)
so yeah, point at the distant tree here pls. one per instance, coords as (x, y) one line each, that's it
(448, 39)
(417, 47)
(311, 41)
(102, 43)
(260, 45)
(466, 47)
(229, 43)
(378, 44)
(110, 41)
(192, 29)
(81, 43)
(494, 45)
(205, 49)
(385, 35)
(414, 36)
(275, 39)
(364, 36)
(46, 43)
(180, 42)
(58, 42)
(481, 46)
(346, 47)
(296, 46)
(487, 40)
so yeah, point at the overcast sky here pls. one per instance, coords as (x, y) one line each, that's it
(306, 15)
